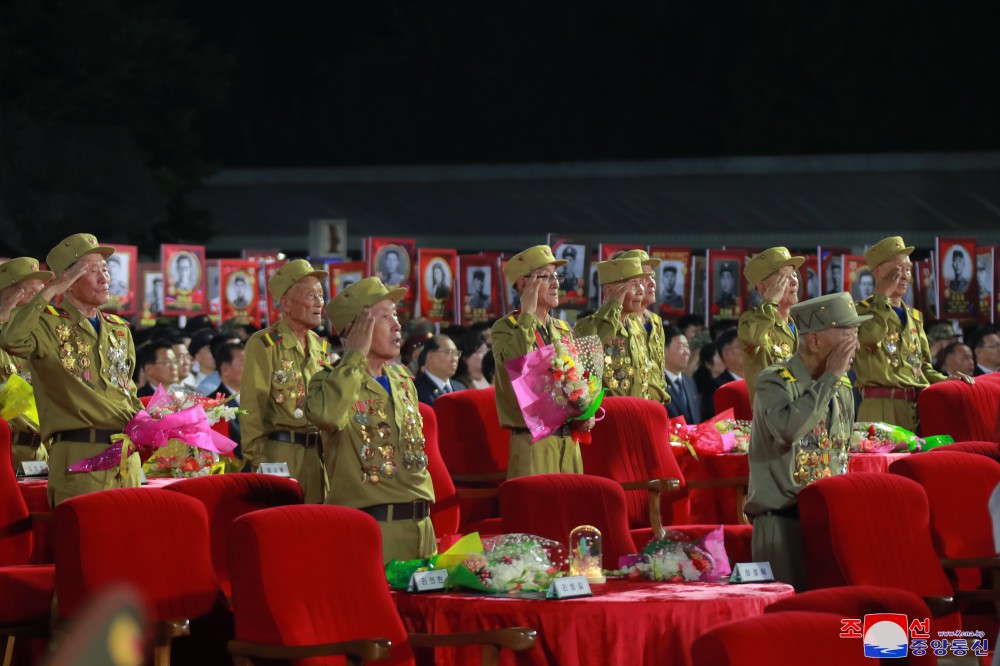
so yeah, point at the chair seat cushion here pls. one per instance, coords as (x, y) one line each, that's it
(26, 593)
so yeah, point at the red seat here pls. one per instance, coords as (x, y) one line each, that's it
(734, 395)
(631, 445)
(791, 639)
(551, 505)
(155, 540)
(227, 497)
(967, 412)
(476, 450)
(445, 509)
(988, 449)
(25, 590)
(867, 528)
(341, 607)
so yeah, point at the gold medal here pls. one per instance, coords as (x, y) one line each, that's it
(388, 469)
(384, 430)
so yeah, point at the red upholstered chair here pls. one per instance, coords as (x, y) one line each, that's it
(155, 540)
(791, 639)
(734, 395)
(867, 528)
(227, 497)
(632, 446)
(966, 412)
(988, 449)
(445, 509)
(340, 608)
(476, 450)
(25, 590)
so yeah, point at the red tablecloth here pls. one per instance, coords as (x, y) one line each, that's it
(624, 623)
(719, 505)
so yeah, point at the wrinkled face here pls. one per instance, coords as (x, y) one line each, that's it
(232, 373)
(988, 351)
(677, 354)
(886, 268)
(648, 286)
(386, 338)
(164, 369)
(444, 361)
(302, 304)
(548, 291)
(92, 288)
(960, 360)
(791, 295)
(635, 296)
(184, 359)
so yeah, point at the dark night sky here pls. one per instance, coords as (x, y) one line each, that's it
(389, 82)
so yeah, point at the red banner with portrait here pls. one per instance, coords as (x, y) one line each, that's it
(957, 286)
(858, 278)
(576, 253)
(273, 306)
(809, 277)
(184, 279)
(673, 284)
(985, 280)
(478, 288)
(150, 294)
(238, 291)
(726, 295)
(436, 282)
(392, 261)
(123, 276)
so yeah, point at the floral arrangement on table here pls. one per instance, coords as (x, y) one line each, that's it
(674, 558)
(877, 437)
(721, 434)
(558, 383)
(174, 435)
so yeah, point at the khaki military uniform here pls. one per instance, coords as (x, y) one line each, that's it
(82, 380)
(892, 356)
(26, 444)
(514, 336)
(655, 349)
(627, 368)
(765, 340)
(801, 432)
(276, 372)
(374, 451)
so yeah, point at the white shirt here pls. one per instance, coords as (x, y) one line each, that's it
(442, 384)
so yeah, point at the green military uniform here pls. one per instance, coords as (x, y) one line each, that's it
(276, 373)
(651, 322)
(893, 354)
(25, 440)
(374, 449)
(801, 433)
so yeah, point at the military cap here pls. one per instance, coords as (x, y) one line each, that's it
(823, 312)
(618, 270)
(289, 274)
(767, 262)
(641, 255)
(348, 304)
(941, 331)
(18, 270)
(886, 249)
(523, 263)
(67, 252)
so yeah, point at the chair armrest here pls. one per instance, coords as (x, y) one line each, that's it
(167, 630)
(990, 562)
(940, 606)
(40, 516)
(477, 493)
(482, 478)
(512, 638)
(708, 484)
(357, 652)
(654, 487)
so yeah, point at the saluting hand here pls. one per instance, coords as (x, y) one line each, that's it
(529, 295)
(62, 282)
(359, 338)
(840, 359)
(616, 292)
(774, 287)
(11, 302)
(887, 285)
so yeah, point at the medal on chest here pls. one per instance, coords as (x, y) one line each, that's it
(288, 385)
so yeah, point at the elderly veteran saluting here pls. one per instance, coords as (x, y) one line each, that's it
(373, 433)
(277, 365)
(533, 275)
(81, 364)
(649, 320)
(766, 333)
(20, 281)
(802, 417)
(627, 368)
(894, 363)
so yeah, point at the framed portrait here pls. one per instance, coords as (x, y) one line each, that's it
(958, 289)
(122, 274)
(576, 253)
(593, 288)
(185, 280)
(725, 296)
(437, 279)
(858, 278)
(672, 283)
(984, 280)
(392, 261)
(273, 304)
(238, 291)
(153, 294)
(479, 299)
(512, 300)
(809, 277)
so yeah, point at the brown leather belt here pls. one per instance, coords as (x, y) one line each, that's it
(96, 435)
(404, 511)
(908, 393)
(25, 439)
(306, 439)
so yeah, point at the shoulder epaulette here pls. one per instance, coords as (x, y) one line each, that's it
(272, 337)
(400, 370)
(56, 312)
(865, 302)
(846, 382)
(114, 319)
(560, 324)
(785, 374)
(512, 319)
(916, 314)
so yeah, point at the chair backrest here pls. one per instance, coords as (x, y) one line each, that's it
(551, 505)
(967, 412)
(16, 540)
(312, 574)
(734, 394)
(632, 443)
(958, 487)
(469, 432)
(227, 497)
(867, 528)
(445, 510)
(795, 637)
(988, 449)
(155, 540)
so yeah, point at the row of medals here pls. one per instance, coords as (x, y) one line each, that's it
(74, 354)
(378, 440)
(286, 373)
(816, 464)
(893, 347)
(11, 369)
(618, 371)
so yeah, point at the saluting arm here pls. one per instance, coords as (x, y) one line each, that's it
(513, 341)
(603, 323)
(755, 324)
(873, 331)
(332, 391)
(17, 336)
(788, 418)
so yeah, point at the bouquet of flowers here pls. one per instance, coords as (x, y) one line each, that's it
(175, 421)
(511, 563)
(675, 558)
(17, 398)
(868, 437)
(557, 383)
(721, 434)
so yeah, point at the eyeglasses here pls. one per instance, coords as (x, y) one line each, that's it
(558, 278)
(184, 357)
(994, 347)
(454, 353)
(167, 363)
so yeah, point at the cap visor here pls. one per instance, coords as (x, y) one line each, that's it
(795, 262)
(652, 262)
(558, 262)
(44, 276)
(322, 275)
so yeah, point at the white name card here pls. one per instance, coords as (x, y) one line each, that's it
(276, 469)
(569, 587)
(35, 468)
(752, 572)
(142, 477)
(428, 581)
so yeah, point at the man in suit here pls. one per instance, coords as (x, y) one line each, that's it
(158, 361)
(987, 349)
(229, 361)
(684, 399)
(438, 362)
(728, 345)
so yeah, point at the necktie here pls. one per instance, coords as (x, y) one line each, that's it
(681, 397)
(447, 388)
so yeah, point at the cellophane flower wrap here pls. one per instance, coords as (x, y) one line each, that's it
(675, 558)
(877, 437)
(511, 563)
(176, 428)
(557, 383)
(720, 434)
(17, 399)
